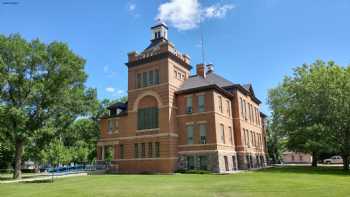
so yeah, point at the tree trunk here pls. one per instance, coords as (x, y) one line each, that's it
(17, 174)
(345, 162)
(314, 159)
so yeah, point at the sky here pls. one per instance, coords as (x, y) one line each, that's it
(248, 41)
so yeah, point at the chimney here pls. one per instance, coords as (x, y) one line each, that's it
(210, 68)
(200, 70)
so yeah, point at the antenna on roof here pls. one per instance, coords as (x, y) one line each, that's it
(202, 39)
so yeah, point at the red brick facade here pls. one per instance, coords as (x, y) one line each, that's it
(175, 121)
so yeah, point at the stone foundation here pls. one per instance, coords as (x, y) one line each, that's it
(215, 162)
(250, 160)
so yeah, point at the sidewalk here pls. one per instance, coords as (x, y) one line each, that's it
(44, 177)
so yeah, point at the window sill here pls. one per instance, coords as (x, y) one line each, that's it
(113, 132)
(146, 130)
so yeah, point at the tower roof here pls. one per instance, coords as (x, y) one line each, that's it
(159, 23)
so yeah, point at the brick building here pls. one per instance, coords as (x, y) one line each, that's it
(174, 120)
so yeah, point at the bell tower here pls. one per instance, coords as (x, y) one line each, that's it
(159, 30)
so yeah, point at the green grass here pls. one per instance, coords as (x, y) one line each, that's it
(281, 182)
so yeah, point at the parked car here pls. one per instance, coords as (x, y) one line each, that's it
(334, 160)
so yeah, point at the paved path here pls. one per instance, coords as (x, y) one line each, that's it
(45, 177)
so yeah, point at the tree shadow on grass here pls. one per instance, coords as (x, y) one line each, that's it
(322, 170)
(38, 181)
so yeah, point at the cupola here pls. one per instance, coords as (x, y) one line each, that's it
(159, 30)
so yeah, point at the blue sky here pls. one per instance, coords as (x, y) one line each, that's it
(248, 41)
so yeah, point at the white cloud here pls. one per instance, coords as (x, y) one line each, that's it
(217, 10)
(120, 92)
(105, 69)
(187, 14)
(131, 7)
(110, 89)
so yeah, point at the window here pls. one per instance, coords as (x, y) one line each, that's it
(144, 79)
(233, 163)
(189, 134)
(250, 115)
(228, 107)
(203, 162)
(226, 163)
(155, 35)
(300, 157)
(231, 134)
(156, 72)
(110, 126)
(136, 151)
(147, 118)
(150, 77)
(116, 125)
(203, 133)
(248, 138)
(190, 162)
(222, 128)
(251, 138)
(157, 146)
(201, 102)
(220, 104)
(292, 157)
(150, 149)
(143, 150)
(189, 104)
(254, 139)
(121, 151)
(245, 110)
(139, 80)
(242, 108)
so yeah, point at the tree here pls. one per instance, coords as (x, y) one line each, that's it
(57, 154)
(338, 118)
(301, 109)
(275, 143)
(41, 86)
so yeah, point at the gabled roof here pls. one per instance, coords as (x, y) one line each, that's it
(217, 79)
(118, 105)
(213, 80)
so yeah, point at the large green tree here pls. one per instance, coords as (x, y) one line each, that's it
(41, 87)
(311, 108)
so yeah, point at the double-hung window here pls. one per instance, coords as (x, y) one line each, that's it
(136, 151)
(189, 104)
(157, 147)
(230, 134)
(139, 80)
(150, 149)
(189, 134)
(203, 133)
(228, 107)
(110, 126)
(220, 104)
(201, 101)
(222, 128)
(121, 151)
(156, 76)
(150, 78)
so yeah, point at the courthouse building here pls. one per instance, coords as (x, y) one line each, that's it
(177, 121)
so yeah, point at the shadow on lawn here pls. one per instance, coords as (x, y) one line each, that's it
(307, 170)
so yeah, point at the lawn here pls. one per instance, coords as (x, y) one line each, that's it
(287, 181)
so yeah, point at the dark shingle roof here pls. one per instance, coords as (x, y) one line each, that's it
(211, 78)
(218, 80)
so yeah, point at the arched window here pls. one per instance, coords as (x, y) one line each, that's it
(147, 113)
